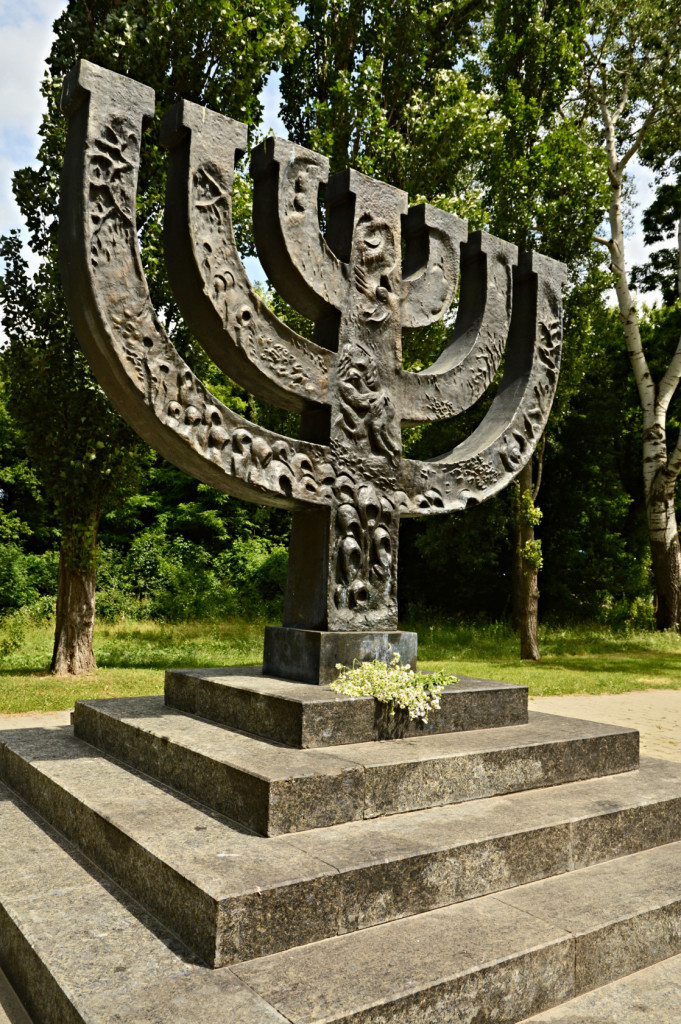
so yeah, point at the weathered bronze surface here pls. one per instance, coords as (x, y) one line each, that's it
(345, 480)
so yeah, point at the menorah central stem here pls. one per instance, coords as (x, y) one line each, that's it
(343, 559)
(353, 547)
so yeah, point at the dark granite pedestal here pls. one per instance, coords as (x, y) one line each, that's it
(273, 852)
(311, 655)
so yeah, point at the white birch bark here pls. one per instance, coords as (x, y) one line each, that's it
(660, 472)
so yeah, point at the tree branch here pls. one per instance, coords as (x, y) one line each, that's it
(670, 381)
(540, 468)
(636, 144)
(617, 113)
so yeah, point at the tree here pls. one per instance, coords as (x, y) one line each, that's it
(209, 51)
(544, 192)
(631, 88)
(595, 544)
(386, 88)
(389, 90)
(80, 450)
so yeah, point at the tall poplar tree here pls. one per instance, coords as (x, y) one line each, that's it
(216, 52)
(545, 192)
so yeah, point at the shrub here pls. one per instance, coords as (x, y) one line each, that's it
(26, 579)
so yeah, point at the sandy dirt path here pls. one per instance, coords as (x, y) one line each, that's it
(655, 713)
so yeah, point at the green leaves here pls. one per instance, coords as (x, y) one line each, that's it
(209, 51)
(382, 88)
(546, 181)
(527, 510)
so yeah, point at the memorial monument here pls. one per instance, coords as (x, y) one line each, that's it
(345, 479)
(250, 848)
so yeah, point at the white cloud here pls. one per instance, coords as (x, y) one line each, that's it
(25, 38)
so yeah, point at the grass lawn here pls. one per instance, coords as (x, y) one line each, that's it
(132, 658)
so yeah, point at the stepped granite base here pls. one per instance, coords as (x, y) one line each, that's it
(251, 846)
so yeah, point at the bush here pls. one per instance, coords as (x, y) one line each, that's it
(172, 579)
(12, 632)
(26, 580)
(626, 615)
(255, 571)
(270, 578)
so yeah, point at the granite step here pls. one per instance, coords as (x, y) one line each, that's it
(494, 959)
(11, 1009)
(650, 996)
(274, 789)
(305, 716)
(231, 895)
(78, 950)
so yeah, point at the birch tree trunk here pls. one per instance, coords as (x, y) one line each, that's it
(666, 560)
(660, 470)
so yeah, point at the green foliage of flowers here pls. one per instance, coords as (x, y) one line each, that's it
(528, 511)
(394, 684)
(533, 555)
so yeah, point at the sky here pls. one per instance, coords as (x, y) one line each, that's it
(25, 39)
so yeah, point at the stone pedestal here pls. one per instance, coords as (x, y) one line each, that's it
(311, 655)
(248, 845)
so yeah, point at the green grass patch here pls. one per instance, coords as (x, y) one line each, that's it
(132, 658)
(581, 659)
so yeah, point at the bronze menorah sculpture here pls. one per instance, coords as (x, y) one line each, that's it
(345, 479)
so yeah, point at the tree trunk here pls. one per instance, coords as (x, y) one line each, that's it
(666, 559)
(517, 578)
(659, 471)
(73, 653)
(525, 613)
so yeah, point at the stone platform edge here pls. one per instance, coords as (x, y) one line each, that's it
(306, 716)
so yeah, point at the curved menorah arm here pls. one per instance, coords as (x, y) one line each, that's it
(240, 334)
(466, 368)
(430, 273)
(501, 445)
(290, 245)
(109, 303)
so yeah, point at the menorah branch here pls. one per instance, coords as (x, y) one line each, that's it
(291, 247)
(502, 444)
(346, 479)
(430, 271)
(109, 303)
(467, 366)
(240, 334)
